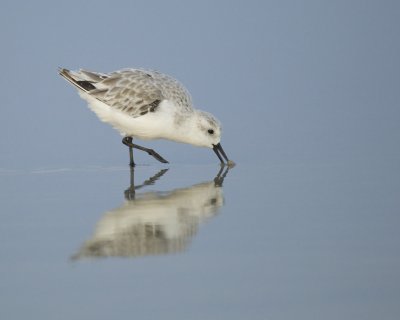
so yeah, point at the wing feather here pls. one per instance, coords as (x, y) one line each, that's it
(132, 91)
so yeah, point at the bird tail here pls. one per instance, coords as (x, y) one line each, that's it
(83, 80)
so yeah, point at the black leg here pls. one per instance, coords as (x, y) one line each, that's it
(151, 152)
(131, 162)
(128, 142)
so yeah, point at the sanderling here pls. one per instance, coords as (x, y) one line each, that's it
(147, 105)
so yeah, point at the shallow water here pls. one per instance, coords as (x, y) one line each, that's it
(306, 226)
(280, 241)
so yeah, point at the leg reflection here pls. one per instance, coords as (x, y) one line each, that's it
(130, 192)
(154, 222)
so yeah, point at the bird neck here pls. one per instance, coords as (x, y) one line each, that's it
(186, 129)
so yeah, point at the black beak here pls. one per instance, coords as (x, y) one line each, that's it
(219, 151)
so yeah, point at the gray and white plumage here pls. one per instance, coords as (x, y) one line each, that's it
(147, 105)
(136, 91)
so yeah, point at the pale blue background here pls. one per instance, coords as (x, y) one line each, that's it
(309, 96)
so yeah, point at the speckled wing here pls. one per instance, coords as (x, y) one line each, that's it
(171, 89)
(133, 91)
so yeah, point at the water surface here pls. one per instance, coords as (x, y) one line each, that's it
(280, 241)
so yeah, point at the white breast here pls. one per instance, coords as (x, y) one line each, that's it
(153, 125)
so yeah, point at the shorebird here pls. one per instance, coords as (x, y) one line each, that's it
(147, 105)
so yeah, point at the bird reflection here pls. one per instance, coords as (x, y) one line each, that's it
(153, 223)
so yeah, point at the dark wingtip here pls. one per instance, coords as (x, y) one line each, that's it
(65, 73)
(84, 85)
(62, 70)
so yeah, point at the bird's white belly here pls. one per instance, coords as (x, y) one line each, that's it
(153, 125)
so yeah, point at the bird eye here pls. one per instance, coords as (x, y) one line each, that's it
(210, 131)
